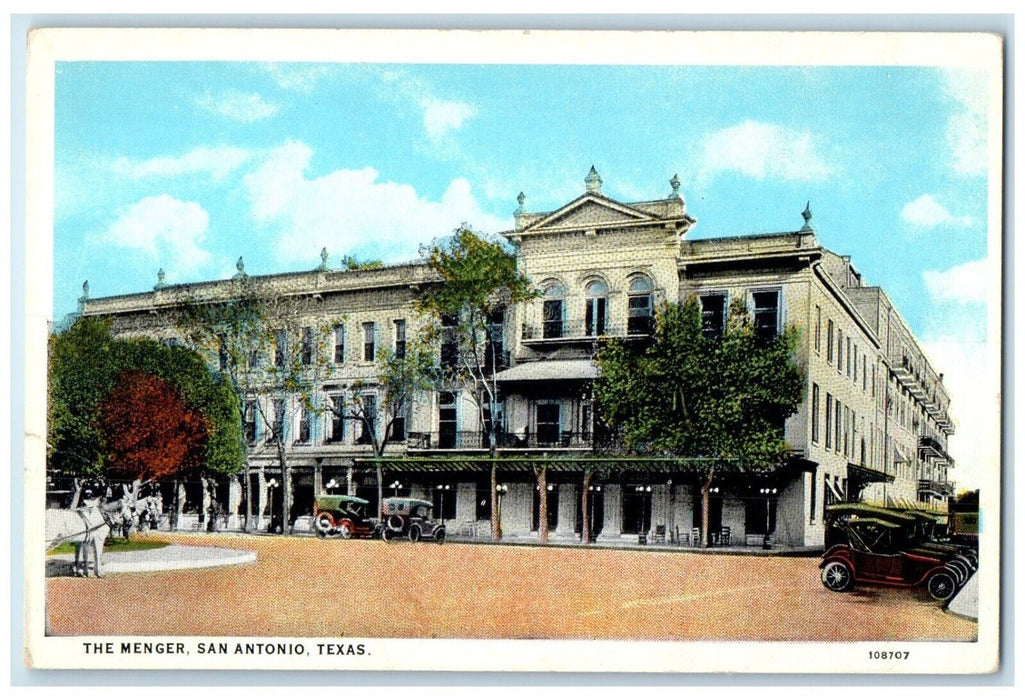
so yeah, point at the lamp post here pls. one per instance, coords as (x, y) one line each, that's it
(442, 488)
(769, 494)
(332, 484)
(271, 485)
(593, 489)
(395, 486)
(500, 491)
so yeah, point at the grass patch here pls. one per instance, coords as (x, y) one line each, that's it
(118, 545)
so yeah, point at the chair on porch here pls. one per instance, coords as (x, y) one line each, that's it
(695, 537)
(724, 537)
(659, 536)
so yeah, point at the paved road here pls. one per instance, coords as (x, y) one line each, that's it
(331, 588)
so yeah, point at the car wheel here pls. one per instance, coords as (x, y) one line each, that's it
(941, 585)
(439, 536)
(837, 576)
(395, 523)
(387, 535)
(324, 524)
(414, 533)
(345, 529)
(960, 568)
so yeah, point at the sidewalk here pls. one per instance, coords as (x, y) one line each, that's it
(163, 559)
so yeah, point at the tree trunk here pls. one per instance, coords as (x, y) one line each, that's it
(286, 489)
(496, 525)
(706, 487)
(380, 492)
(247, 493)
(585, 516)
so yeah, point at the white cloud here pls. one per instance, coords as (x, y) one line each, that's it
(972, 379)
(297, 78)
(968, 283)
(966, 127)
(218, 161)
(347, 210)
(926, 212)
(243, 107)
(762, 150)
(441, 116)
(166, 229)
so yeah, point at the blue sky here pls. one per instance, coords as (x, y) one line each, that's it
(187, 165)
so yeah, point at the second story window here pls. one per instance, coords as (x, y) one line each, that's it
(596, 311)
(713, 314)
(250, 422)
(307, 347)
(553, 309)
(369, 422)
(337, 418)
(449, 341)
(304, 427)
(339, 354)
(400, 338)
(280, 348)
(640, 309)
(496, 340)
(369, 347)
(278, 429)
(829, 342)
(766, 314)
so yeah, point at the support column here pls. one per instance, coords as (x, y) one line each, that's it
(234, 502)
(318, 477)
(613, 511)
(567, 522)
(261, 498)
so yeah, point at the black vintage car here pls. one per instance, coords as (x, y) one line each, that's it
(410, 517)
(868, 544)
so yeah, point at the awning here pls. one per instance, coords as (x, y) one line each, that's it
(867, 475)
(549, 370)
(835, 490)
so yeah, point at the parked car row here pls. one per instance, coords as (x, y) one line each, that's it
(892, 547)
(345, 517)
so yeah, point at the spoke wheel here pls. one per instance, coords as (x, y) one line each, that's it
(439, 536)
(414, 534)
(345, 530)
(324, 524)
(837, 576)
(941, 585)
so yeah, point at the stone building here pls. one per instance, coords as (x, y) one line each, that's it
(873, 426)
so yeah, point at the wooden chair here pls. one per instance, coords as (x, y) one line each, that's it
(659, 536)
(695, 536)
(724, 537)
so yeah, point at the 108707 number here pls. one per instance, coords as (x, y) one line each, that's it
(885, 655)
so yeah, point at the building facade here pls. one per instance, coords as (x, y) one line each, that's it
(873, 426)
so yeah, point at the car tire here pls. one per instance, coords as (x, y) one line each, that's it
(942, 585)
(324, 524)
(387, 535)
(395, 523)
(414, 533)
(837, 576)
(439, 536)
(960, 568)
(345, 529)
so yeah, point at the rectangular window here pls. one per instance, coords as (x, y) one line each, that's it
(447, 420)
(222, 352)
(449, 341)
(250, 421)
(398, 429)
(836, 424)
(639, 315)
(839, 351)
(713, 314)
(815, 413)
(855, 364)
(304, 427)
(280, 348)
(766, 314)
(594, 316)
(400, 338)
(829, 421)
(846, 430)
(278, 429)
(369, 346)
(339, 353)
(337, 418)
(552, 318)
(585, 422)
(496, 341)
(253, 358)
(369, 422)
(818, 328)
(829, 342)
(864, 373)
(307, 347)
(548, 424)
(848, 365)
(814, 495)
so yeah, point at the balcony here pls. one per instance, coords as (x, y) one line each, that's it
(566, 332)
(935, 488)
(930, 447)
(447, 441)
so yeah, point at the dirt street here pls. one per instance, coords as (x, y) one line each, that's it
(329, 588)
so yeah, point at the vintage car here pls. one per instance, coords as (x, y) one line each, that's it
(342, 516)
(410, 517)
(867, 544)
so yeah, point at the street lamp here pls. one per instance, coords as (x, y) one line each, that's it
(442, 488)
(332, 484)
(769, 494)
(593, 489)
(272, 484)
(500, 490)
(395, 486)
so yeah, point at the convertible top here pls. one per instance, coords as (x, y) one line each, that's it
(332, 502)
(863, 510)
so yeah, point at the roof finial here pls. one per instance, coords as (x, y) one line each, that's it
(520, 199)
(593, 181)
(241, 267)
(323, 259)
(675, 184)
(160, 280)
(85, 290)
(807, 217)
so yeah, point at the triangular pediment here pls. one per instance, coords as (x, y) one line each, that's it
(589, 211)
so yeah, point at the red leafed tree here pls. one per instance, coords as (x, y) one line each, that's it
(150, 431)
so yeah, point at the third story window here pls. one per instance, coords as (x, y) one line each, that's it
(640, 312)
(766, 314)
(369, 348)
(713, 314)
(400, 338)
(553, 310)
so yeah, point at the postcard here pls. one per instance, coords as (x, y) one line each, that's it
(588, 351)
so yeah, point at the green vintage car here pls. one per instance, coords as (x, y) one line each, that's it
(342, 516)
(410, 517)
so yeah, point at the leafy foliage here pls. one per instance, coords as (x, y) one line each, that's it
(697, 396)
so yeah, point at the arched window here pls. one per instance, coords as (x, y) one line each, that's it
(640, 307)
(597, 293)
(554, 305)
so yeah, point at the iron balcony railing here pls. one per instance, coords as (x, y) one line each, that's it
(475, 440)
(581, 330)
(943, 488)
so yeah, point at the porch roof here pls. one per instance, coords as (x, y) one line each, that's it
(549, 370)
(695, 465)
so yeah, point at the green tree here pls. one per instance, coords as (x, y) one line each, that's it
(479, 281)
(690, 394)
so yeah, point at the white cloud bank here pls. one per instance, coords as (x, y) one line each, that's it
(168, 230)
(968, 283)
(761, 151)
(442, 116)
(927, 212)
(347, 210)
(243, 107)
(217, 161)
(966, 127)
